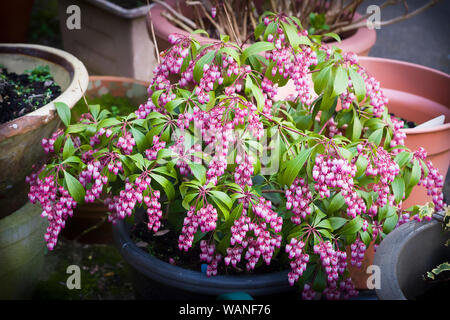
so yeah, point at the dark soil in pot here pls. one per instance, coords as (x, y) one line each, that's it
(23, 93)
(408, 124)
(164, 246)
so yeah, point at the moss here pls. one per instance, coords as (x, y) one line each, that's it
(104, 275)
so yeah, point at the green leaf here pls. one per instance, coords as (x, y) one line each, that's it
(375, 137)
(169, 106)
(165, 184)
(352, 226)
(398, 186)
(337, 202)
(140, 139)
(357, 127)
(337, 222)
(108, 122)
(321, 79)
(222, 196)
(358, 84)
(340, 81)
(333, 35)
(403, 158)
(256, 48)
(198, 171)
(415, 173)
(294, 166)
(390, 223)
(95, 110)
(206, 59)
(63, 112)
(76, 189)
(439, 269)
(361, 165)
(69, 149)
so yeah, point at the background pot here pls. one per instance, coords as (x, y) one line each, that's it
(20, 139)
(22, 251)
(156, 279)
(111, 41)
(408, 253)
(15, 20)
(418, 94)
(95, 214)
(360, 42)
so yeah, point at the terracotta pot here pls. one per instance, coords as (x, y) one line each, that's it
(15, 20)
(360, 42)
(20, 139)
(112, 40)
(89, 215)
(418, 94)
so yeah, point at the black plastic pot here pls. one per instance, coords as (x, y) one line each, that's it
(158, 280)
(406, 254)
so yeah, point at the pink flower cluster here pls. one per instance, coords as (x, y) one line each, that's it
(334, 172)
(298, 199)
(185, 156)
(154, 212)
(126, 142)
(48, 144)
(92, 174)
(299, 260)
(333, 261)
(358, 250)
(123, 205)
(207, 254)
(56, 203)
(244, 170)
(157, 145)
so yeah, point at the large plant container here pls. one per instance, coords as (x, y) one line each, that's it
(406, 255)
(91, 219)
(359, 42)
(155, 279)
(111, 41)
(20, 139)
(418, 94)
(22, 251)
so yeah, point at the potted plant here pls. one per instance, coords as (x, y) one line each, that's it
(245, 182)
(120, 96)
(318, 17)
(409, 253)
(112, 39)
(28, 115)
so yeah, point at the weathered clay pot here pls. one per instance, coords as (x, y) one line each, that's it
(89, 215)
(360, 42)
(418, 94)
(112, 40)
(406, 255)
(22, 251)
(20, 139)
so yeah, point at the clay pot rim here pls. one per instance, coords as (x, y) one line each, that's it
(120, 11)
(414, 131)
(363, 36)
(77, 86)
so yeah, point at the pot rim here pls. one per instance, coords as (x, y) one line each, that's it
(387, 255)
(120, 11)
(366, 37)
(194, 281)
(76, 88)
